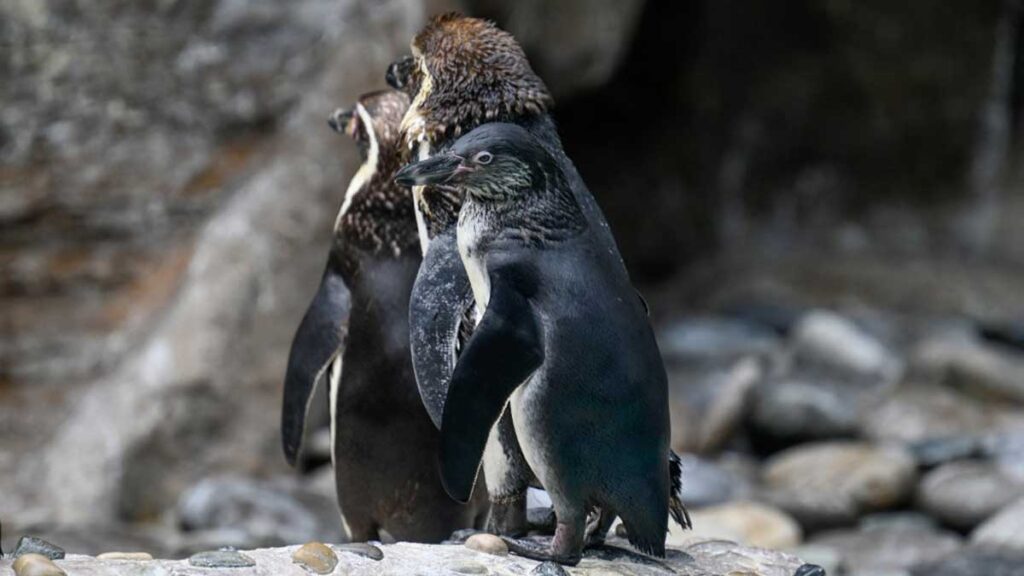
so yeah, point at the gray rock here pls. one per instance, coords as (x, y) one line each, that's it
(934, 451)
(33, 545)
(828, 339)
(714, 340)
(698, 558)
(977, 368)
(706, 483)
(707, 406)
(831, 483)
(963, 494)
(1004, 530)
(267, 514)
(221, 559)
(139, 435)
(883, 548)
(916, 412)
(793, 411)
(362, 549)
(973, 563)
(809, 570)
(548, 569)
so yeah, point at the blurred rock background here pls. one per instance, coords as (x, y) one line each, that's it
(821, 200)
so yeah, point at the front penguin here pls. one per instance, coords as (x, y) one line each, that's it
(354, 339)
(562, 339)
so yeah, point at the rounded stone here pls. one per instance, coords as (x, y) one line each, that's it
(33, 545)
(488, 544)
(809, 570)
(468, 568)
(829, 483)
(1004, 530)
(749, 523)
(963, 494)
(221, 559)
(31, 564)
(549, 569)
(362, 549)
(317, 557)
(131, 556)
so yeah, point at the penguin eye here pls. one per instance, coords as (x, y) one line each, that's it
(483, 157)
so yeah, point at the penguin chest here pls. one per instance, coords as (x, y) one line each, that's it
(470, 234)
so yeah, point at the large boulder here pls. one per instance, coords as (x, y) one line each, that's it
(201, 392)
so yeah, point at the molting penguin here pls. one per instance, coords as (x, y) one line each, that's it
(563, 342)
(382, 441)
(463, 72)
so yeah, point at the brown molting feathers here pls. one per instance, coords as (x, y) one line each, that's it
(376, 213)
(469, 72)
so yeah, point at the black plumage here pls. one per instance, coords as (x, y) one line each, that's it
(354, 339)
(563, 341)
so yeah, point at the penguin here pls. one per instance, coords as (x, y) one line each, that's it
(462, 71)
(355, 336)
(563, 342)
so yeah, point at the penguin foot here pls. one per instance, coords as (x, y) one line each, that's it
(541, 552)
(566, 546)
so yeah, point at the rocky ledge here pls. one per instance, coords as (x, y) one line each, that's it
(697, 557)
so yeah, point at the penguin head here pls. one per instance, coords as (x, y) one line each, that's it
(493, 163)
(376, 117)
(465, 72)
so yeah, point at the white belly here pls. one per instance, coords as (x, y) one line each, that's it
(530, 443)
(476, 269)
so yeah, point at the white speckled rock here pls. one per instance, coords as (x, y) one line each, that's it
(698, 557)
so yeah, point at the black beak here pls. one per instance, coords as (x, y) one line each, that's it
(397, 75)
(436, 170)
(340, 119)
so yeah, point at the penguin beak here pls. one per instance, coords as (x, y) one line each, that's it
(432, 171)
(397, 75)
(340, 119)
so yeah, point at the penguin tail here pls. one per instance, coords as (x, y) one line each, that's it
(675, 499)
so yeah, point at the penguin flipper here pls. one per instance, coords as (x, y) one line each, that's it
(439, 298)
(504, 351)
(317, 342)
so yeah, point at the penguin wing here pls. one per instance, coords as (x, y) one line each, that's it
(440, 297)
(318, 341)
(503, 352)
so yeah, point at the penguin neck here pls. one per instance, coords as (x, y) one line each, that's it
(534, 216)
(379, 218)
